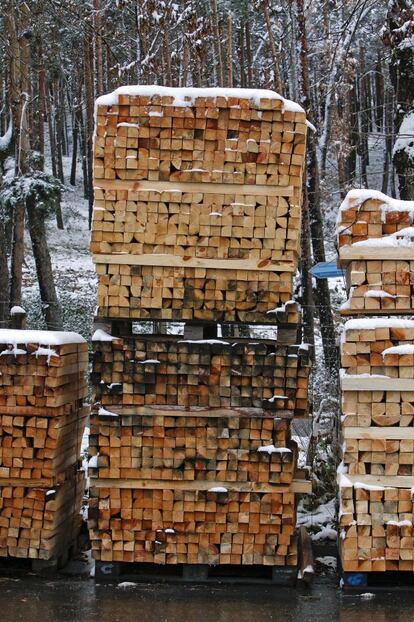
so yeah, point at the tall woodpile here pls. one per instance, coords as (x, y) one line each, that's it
(197, 218)
(377, 357)
(42, 418)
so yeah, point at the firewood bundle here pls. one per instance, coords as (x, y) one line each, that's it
(376, 528)
(211, 446)
(197, 203)
(182, 525)
(42, 418)
(142, 369)
(39, 523)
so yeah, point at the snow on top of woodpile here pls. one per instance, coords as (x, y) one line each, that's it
(404, 238)
(101, 335)
(405, 348)
(377, 322)
(356, 197)
(187, 96)
(43, 337)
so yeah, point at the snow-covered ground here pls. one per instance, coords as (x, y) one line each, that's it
(73, 268)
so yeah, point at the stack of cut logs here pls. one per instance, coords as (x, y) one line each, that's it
(196, 219)
(376, 477)
(42, 417)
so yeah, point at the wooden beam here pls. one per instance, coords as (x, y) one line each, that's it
(386, 481)
(374, 433)
(399, 253)
(177, 261)
(177, 411)
(372, 312)
(375, 383)
(297, 486)
(205, 188)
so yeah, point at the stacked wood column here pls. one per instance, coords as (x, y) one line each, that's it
(196, 220)
(42, 418)
(376, 477)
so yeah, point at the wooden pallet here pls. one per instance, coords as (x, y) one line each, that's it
(390, 581)
(196, 573)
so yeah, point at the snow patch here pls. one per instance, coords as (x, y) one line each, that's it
(101, 335)
(187, 96)
(43, 337)
(271, 449)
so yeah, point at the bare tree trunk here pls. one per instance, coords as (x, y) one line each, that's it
(50, 304)
(230, 49)
(20, 86)
(241, 57)
(379, 102)
(42, 103)
(249, 58)
(308, 308)
(364, 118)
(217, 42)
(398, 36)
(75, 132)
(98, 47)
(389, 139)
(58, 123)
(277, 81)
(51, 129)
(4, 277)
(89, 119)
(312, 206)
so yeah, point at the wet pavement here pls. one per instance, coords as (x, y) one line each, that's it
(35, 599)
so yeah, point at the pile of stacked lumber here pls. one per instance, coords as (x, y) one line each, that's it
(197, 203)
(208, 525)
(139, 370)
(375, 245)
(42, 418)
(203, 446)
(196, 220)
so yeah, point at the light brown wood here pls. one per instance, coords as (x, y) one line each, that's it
(167, 186)
(194, 262)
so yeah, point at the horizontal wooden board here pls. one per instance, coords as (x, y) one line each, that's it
(197, 412)
(351, 253)
(210, 188)
(194, 262)
(375, 383)
(388, 481)
(378, 433)
(297, 486)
